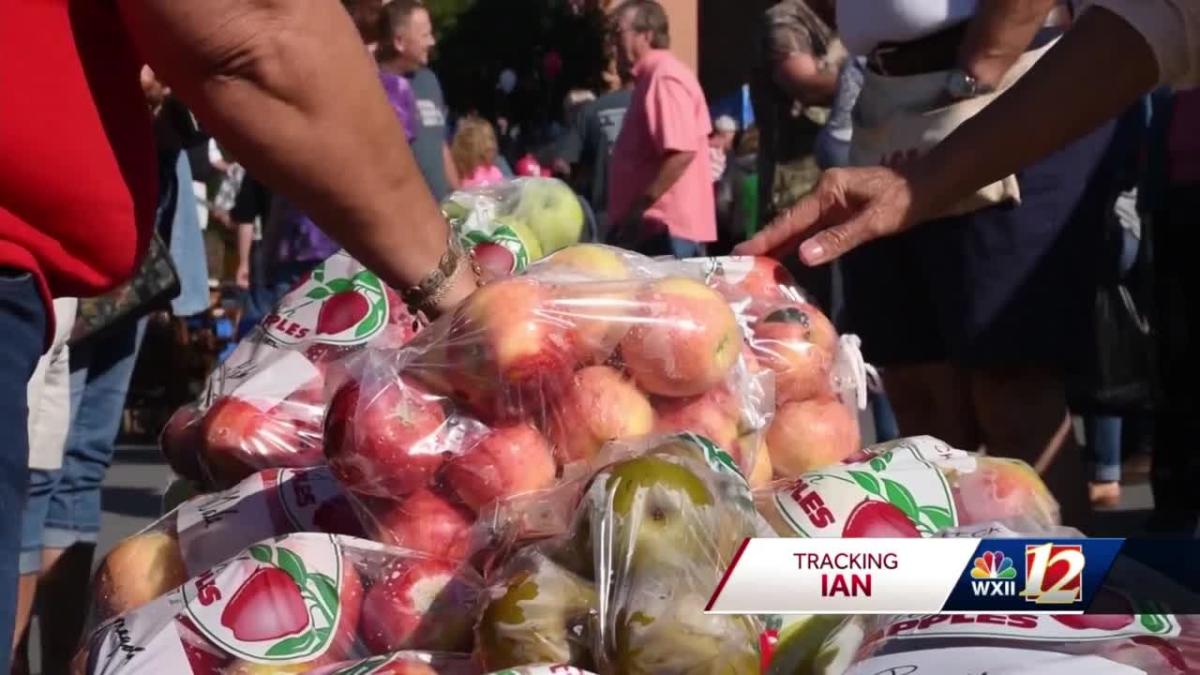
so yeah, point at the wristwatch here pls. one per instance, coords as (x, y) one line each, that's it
(962, 85)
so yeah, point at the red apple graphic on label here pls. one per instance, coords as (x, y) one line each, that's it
(873, 518)
(1108, 601)
(1094, 621)
(341, 311)
(267, 606)
(496, 260)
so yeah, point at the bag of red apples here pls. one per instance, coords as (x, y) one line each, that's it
(912, 487)
(208, 529)
(264, 405)
(623, 590)
(296, 603)
(522, 385)
(819, 378)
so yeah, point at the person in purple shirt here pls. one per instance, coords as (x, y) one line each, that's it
(293, 242)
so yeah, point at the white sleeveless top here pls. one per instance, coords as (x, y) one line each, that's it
(863, 24)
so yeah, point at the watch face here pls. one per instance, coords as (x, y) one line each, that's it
(960, 84)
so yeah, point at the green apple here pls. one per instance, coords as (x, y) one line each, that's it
(520, 228)
(661, 513)
(553, 213)
(538, 613)
(674, 635)
(800, 642)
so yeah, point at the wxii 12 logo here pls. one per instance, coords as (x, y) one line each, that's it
(1054, 574)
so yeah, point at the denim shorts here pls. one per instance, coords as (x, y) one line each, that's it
(63, 505)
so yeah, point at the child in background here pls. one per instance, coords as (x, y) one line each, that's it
(474, 150)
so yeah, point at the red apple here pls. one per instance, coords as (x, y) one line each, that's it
(762, 284)
(872, 518)
(713, 414)
(685, 341)
(600, 405)
(424, 522)
(514, 334)
(508, 461)
(182, 442)
(384, 442)
(420, 604)
(798, 343)
(808, 435)
(233, 433)
(241, 437)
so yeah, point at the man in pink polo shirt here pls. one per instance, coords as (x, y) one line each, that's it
(660, 195)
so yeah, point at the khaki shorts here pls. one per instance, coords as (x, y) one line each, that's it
(50, 394)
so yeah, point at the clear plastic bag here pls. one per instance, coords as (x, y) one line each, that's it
(525, 382)
(819, 382)
(264, 405)
(1155, 644)
(624, 590)
(911, 487)
(207, 529)
(294, 604)
(512, 225)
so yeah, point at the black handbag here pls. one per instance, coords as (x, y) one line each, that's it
(154, 285)
(1117, 377)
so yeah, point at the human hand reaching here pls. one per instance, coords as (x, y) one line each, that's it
(848, 208)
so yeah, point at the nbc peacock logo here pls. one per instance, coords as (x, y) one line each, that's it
(993, 575)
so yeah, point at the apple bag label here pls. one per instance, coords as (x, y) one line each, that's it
(340, 302)
(277, 602)
(145, 641)
(1064, 628)
(266, 387)
(897, 493)
(213, 527)
(989, 660)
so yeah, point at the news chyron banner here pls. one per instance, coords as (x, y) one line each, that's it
(959, 575)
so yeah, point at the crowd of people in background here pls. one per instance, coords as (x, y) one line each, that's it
(1015, 321)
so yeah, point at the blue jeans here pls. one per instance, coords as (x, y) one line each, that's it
(23, 325)
(1103, 449)
(101, 369)
(187, 245)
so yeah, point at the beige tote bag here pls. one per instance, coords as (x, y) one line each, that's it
(897, 115)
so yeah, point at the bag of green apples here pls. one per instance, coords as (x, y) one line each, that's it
(526, 380)
(263, 406)
(624, 590)
(207, 529)
(293, 604)
(912, 487)
(510, 225)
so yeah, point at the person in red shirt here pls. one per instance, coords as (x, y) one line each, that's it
(287, 87)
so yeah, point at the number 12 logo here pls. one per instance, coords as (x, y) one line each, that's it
(1054, 574)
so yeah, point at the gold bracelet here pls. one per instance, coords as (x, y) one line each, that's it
(425, 295)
